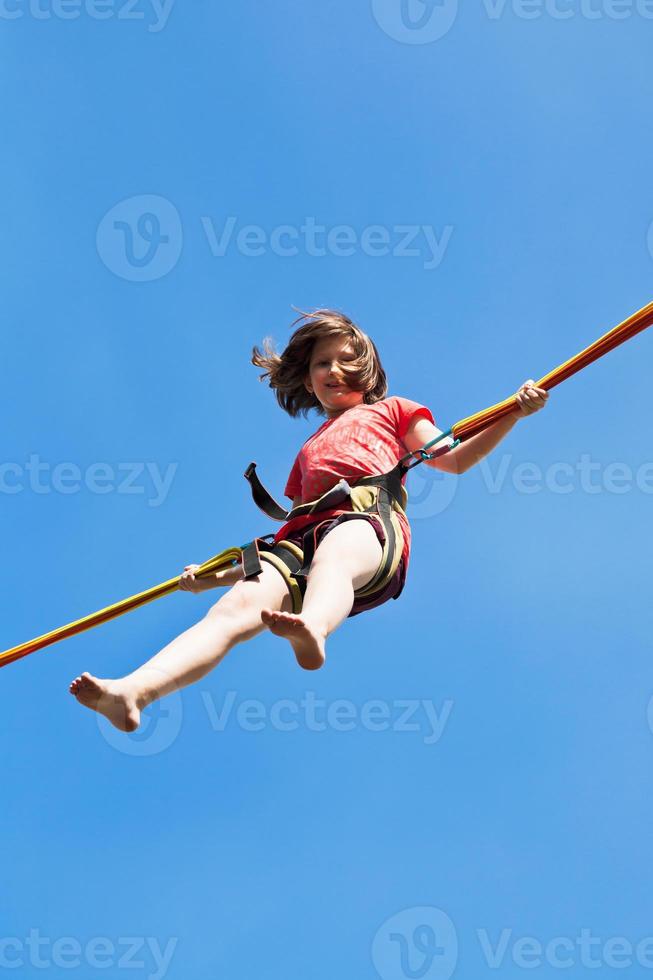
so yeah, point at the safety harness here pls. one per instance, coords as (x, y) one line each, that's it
(382, 495)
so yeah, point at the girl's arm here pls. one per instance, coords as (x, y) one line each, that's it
(529, 399)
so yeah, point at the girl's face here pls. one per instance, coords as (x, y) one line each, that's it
(326, 378)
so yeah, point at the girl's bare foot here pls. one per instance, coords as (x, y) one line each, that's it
(109, 698)
(307, 642)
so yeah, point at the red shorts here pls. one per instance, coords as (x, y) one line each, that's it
(393, 588)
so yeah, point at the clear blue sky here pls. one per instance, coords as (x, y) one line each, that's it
(513, 807)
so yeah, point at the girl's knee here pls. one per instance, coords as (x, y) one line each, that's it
(232, 603)
(239, 609)
(232, 623)
(234, 610)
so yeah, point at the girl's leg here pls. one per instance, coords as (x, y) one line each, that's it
(234, 618)
(346, 559)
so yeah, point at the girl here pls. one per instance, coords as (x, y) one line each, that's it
(359, 546)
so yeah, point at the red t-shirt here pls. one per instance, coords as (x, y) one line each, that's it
(364, 441)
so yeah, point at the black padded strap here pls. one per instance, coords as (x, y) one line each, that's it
(390, 481)
(250, 560)
(262, 498)
(309, 544)
(383, 509)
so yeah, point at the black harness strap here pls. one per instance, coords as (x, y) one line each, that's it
(250, 556)
(337, 495)
(382, 507)
(389, 486)
(264, 500)
(390, 489)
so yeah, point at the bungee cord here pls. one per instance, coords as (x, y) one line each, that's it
(613, 338)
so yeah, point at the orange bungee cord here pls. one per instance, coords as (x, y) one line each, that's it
(462, 430)
(619, 335)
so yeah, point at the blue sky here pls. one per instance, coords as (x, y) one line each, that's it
(466, 789)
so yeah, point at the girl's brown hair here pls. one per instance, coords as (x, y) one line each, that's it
(287, 372)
